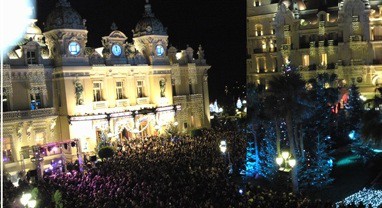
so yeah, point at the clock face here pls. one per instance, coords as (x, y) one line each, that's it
(116, 50)
(159, 50)
(74, 48)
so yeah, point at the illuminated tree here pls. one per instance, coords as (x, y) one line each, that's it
(316, 174)
(268, 167)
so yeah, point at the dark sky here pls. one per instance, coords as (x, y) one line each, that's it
(219, 25)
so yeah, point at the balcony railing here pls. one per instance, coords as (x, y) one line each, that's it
(143, 101)
(99, 104)
(122, 103)
(28, 114)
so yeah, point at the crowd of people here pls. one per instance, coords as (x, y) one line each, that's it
(181, 171)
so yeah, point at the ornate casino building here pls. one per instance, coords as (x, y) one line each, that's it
(61, 98)
(316, 36)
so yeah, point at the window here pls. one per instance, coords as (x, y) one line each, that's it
(274, 64)
(35, 99)
(173, 87)
(259, 30)
(324, 59)
(257, 3)
(31, 57)
(5, 101)
(271, 46)
(305, 60)
(140, 89)
(119, 90)
(7, 150)
(190, 87)
(264, 46)
(97, 91)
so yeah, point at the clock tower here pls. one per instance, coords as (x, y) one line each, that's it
(66, 35)
(114, 47)
(150, 38)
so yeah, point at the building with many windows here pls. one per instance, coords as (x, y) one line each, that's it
(60, 96)
(316, 36)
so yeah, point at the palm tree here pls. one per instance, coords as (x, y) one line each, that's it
(286, 92)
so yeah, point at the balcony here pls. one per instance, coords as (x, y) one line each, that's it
(29, 114)
(99, 104)
(122, 103)
(143, 101)
(355, 38)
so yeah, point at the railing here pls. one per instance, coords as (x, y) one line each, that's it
(143, 100)
(122, 102)
(355, 38)
(28, 114)
(355, 62)
(196, 97)
(179, 98)
(99, 104)
(377, 37)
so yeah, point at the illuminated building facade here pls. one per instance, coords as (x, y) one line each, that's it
(343, 37)
(57, 90)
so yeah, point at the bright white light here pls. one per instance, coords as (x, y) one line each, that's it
(366, 196)
(99, 51)
(285, 155)
(25, 198)
(223, 146)
(241, 191)
(32, 203)
(279, 160)
(362, 97)
(176, 123)
(178, 55)
(19, 13)
(352, 135)
(239, 104)
(292, 163)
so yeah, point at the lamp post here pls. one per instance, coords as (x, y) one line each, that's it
(223, 150)
(285, 161)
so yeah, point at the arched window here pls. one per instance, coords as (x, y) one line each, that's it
(259, 30)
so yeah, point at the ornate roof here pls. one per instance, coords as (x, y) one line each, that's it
(149, 24)
(64, 16)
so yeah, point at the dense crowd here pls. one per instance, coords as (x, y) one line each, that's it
(181, 171)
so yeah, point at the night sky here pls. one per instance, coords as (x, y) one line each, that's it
(218, 25)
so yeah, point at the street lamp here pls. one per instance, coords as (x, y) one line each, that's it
(285, 161)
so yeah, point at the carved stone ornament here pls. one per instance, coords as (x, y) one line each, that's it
(29, 129)
(19, 129)
(78, 91)
(53, 123)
